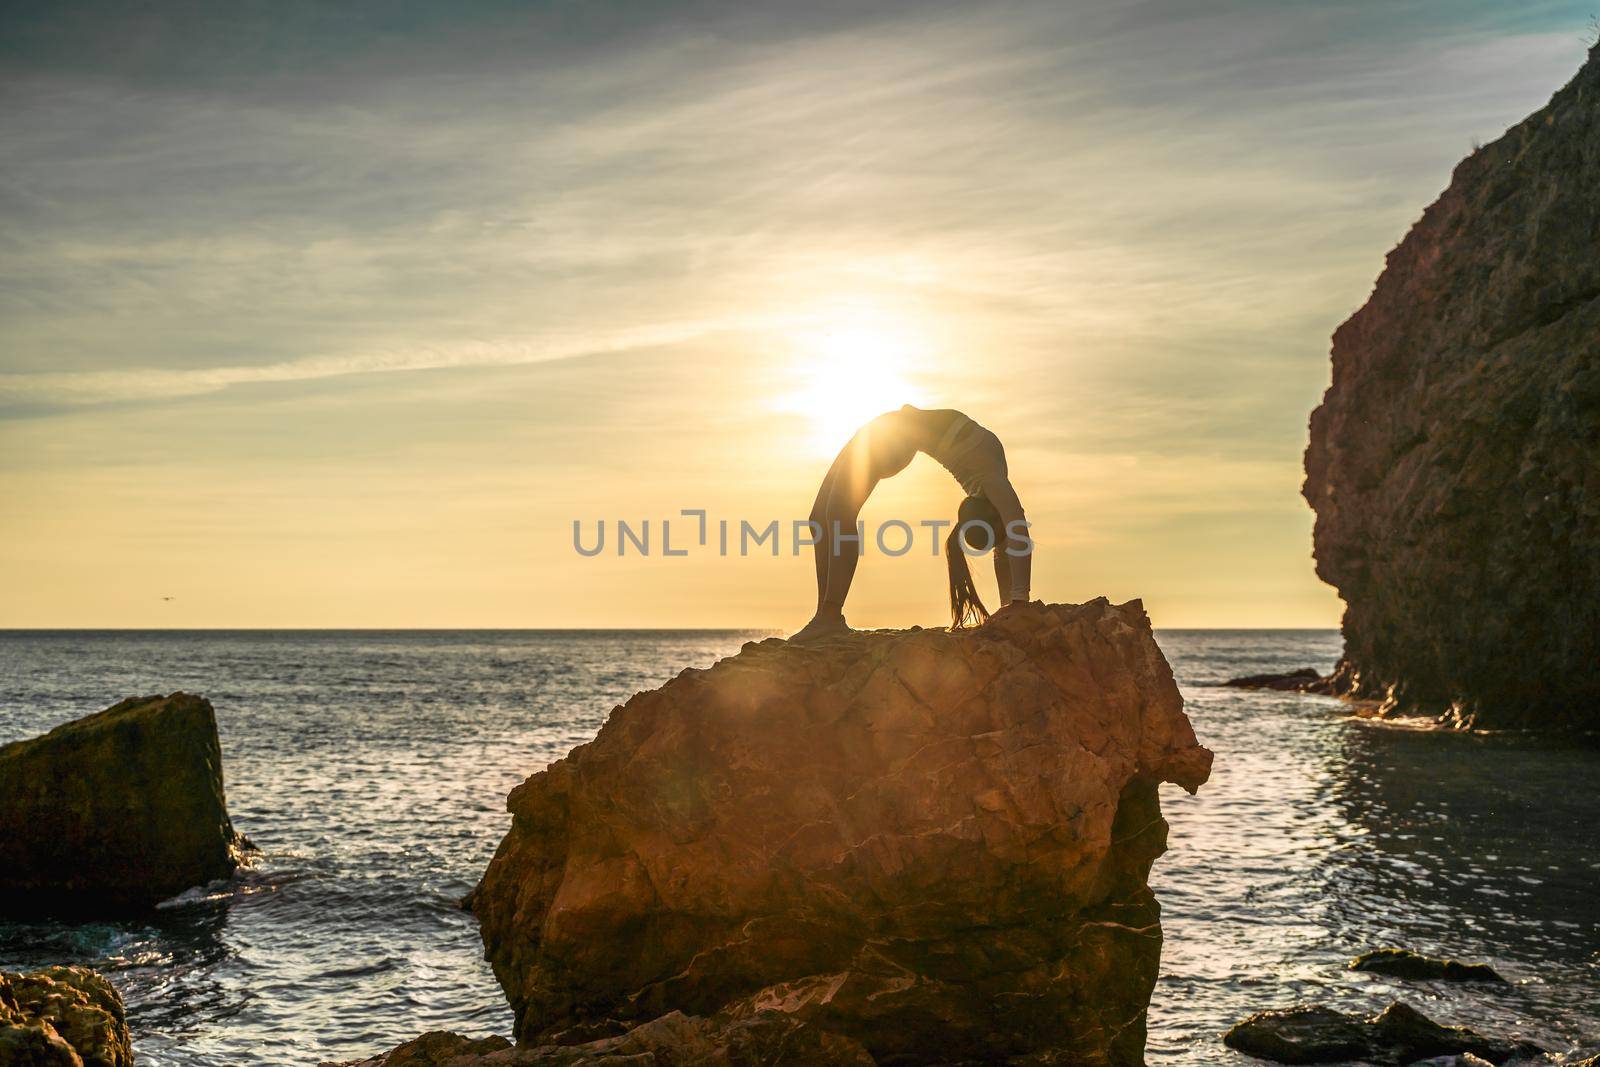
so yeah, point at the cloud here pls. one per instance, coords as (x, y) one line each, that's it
(107, 386)
(197, 218)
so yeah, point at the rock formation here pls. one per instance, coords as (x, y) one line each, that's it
(116, 811)
(1454, 464)
(926, 846)
(62, 1017)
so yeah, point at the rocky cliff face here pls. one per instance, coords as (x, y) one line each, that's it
(116, 811)
(1454, 465)
(62, 1017)
(928, 846)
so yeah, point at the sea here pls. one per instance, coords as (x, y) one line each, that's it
(372, 767)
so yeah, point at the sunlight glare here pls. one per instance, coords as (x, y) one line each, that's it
(847, 373)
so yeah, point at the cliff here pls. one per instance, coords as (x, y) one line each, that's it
(62, 1017)
(116, 811)
(910, 847)
(1454, 464)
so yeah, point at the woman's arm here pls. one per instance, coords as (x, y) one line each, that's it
(1002, 570)
(1013, 556)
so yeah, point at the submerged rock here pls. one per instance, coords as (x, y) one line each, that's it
(1403, 963)
(931, 844)
(1452, 463)
(62, 1017)
(1398, 1035)
(116, 811)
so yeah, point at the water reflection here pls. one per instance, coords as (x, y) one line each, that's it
(1479, 846)
(1321, 836)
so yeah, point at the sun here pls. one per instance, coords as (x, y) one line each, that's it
(847, 372)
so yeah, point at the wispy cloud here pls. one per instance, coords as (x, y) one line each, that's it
(1060, 165)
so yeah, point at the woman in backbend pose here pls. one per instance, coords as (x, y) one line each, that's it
(989, 518)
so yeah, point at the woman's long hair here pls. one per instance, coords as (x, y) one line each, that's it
(976, 514)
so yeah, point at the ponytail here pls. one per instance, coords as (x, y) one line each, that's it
(966, 610)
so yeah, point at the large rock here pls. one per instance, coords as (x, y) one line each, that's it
(1454, 464)
(116, 811)
(932, 844)
(62, 1017)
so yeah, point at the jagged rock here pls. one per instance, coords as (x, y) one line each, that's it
(1454, 464)
(1396, 1036)
(932, 844)
(1304, 680)
(62, 1017)
(116, 811)
(1403, 963)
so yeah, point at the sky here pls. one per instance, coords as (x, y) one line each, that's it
(343, 315)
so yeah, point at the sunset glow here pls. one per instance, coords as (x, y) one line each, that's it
(352, 338)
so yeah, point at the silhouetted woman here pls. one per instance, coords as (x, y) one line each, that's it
(990, 518)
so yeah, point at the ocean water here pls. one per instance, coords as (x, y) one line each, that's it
(371, 768)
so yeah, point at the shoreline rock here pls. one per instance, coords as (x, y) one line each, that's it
(930, 845)
(1451, 462)
(115, 812)
(62, 1017)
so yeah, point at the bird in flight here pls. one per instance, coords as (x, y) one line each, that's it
(169, 598)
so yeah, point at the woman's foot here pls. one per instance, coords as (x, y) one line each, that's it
(823, 624)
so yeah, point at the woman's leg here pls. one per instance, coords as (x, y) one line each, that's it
(838, 503)
(819, 520)
(843, 555)
(850, 486)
